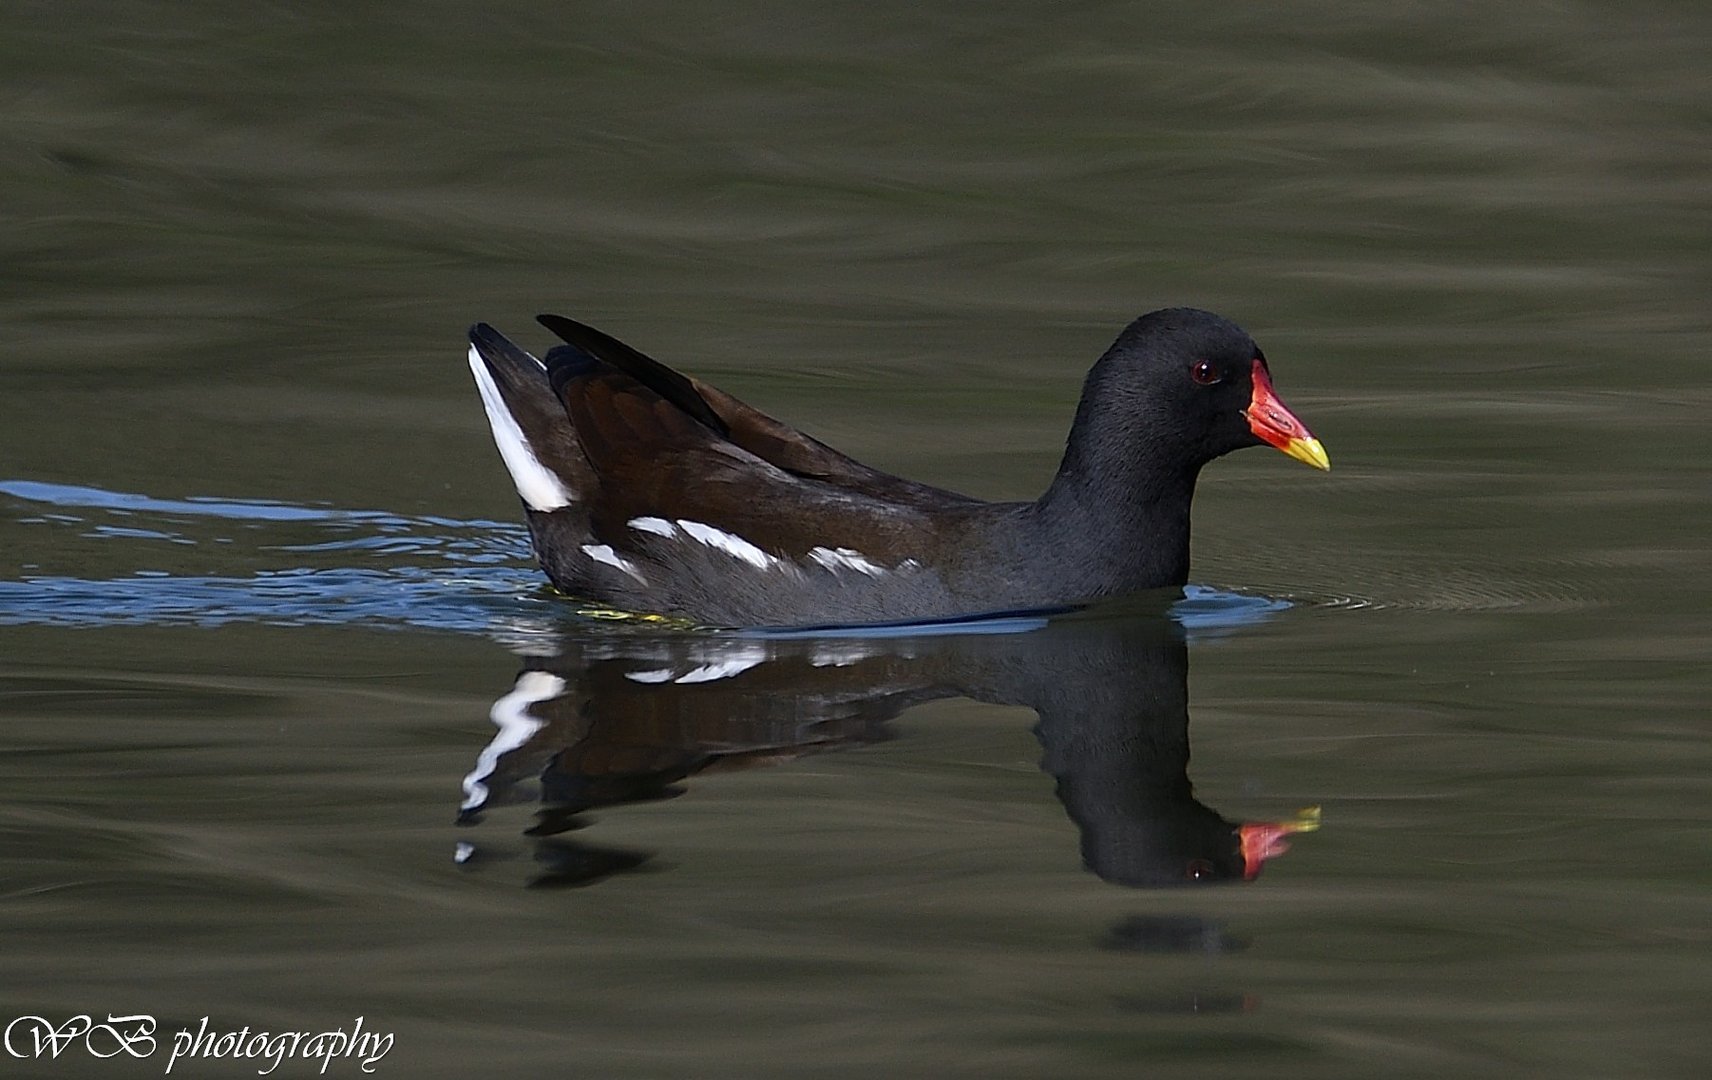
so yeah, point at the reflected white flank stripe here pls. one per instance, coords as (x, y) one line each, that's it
(722, 670)
(511, 715)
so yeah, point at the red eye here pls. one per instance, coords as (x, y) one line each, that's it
(1198, 869)
(1205, 373)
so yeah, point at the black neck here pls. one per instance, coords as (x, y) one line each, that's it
(1113, 526)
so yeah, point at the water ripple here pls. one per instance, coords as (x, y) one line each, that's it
(421, 572)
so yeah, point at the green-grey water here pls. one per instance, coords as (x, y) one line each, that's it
(263, 581)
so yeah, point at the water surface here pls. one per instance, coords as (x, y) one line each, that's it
(264, 581)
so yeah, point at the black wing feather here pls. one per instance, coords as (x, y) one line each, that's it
(656, 376)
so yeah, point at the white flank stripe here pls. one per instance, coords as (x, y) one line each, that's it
(539, 486)
(735, 546)
(657, 675)
(603, 553)
(510, 714)
(845, 559)
(657, 526)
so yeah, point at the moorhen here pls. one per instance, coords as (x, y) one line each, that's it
(647, 491)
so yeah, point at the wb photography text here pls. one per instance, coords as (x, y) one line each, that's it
(134, 1035)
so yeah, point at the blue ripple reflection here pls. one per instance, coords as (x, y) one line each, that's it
(437, 573)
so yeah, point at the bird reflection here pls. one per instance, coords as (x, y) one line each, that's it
(624, 717)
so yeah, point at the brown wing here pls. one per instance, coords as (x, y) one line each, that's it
(791, 450)
(654, 460)
(778, 444)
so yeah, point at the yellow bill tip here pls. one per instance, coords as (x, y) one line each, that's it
(1307, 820)
(1309, 452)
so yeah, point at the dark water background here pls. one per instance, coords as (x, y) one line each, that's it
(262, 583)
